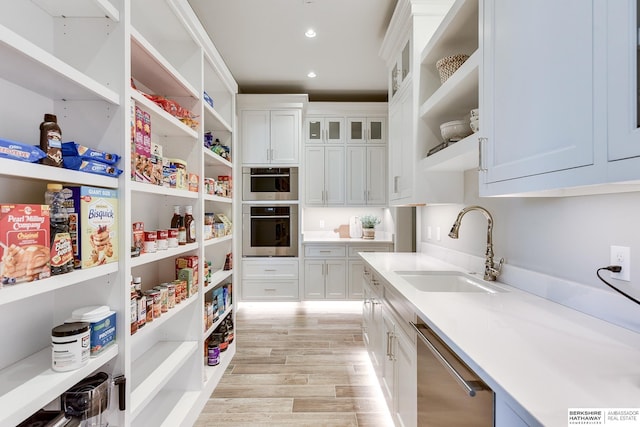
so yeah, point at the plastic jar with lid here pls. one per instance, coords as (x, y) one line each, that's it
(70, 344)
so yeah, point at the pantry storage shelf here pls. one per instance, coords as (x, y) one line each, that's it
(169, 408)
(35, 171)
(163, 123)
(79, 8)
(217, 323)
(28, 385)
(217, 240)
(157, 323)
(212, 159)
(152, 370)
(159, 75)
(20, 291)
(142, 187)
(219, 199)
(217, 277)
(148, 258)
(213, 374)
(214, 120)
(37, 70)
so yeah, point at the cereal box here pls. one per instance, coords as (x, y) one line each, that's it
(95, 211)
(141, 161)
(190, 262)
(24, 243)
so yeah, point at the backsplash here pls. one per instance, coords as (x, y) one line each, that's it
(552, 246)
(330, 218)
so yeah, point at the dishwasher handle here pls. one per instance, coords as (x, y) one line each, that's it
(470, 387)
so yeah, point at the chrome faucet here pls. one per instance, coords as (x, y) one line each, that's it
(491, 271)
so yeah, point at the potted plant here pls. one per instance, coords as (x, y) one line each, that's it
(368, 226)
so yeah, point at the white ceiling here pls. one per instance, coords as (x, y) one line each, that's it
(263, 44)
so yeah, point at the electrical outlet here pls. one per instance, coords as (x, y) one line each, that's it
(429, 232)
(438, 234)
(322, 223)
(621, 255)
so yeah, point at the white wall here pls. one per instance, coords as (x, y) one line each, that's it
(568, 237)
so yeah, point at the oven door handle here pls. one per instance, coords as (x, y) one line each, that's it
(470, 387)
(270, 217)
(275, 175)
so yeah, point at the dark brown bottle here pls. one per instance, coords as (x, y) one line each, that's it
(51, 141)
(177, 219)
(189, 224)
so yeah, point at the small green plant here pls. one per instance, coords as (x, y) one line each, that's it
(369, 221)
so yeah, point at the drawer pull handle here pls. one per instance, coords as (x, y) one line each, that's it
(269, 289)
(270, 269)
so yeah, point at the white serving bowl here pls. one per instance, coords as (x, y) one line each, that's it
(475, 125)
(475, 113)
(455, 130)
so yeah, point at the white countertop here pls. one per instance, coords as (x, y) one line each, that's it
(547, 357)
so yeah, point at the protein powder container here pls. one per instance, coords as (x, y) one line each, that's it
(70, 345)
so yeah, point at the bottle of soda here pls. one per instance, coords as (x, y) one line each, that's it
(61, 248)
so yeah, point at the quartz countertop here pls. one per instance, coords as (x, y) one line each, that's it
(545, 357)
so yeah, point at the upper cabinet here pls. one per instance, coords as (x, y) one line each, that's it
(271, 128)
(412, 26)
(557, 124)
(324, 130)
(345, 165)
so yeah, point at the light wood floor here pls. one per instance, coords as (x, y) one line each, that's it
(298, 364)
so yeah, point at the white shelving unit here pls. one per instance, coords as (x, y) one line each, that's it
(458, 95)
(77, 59)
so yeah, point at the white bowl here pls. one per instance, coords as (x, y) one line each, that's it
(455, 130)
(475, 125)
(475, 113)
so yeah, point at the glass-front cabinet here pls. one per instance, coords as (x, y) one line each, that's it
(325, 130)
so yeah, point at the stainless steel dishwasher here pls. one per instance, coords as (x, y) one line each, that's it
(449, 393)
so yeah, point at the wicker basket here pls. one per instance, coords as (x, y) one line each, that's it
(449, 64)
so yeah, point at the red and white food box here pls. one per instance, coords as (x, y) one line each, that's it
(141, 162)
(24, 243)
(189, 261)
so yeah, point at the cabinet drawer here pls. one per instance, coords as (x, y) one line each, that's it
(325, 251)
(270, 269)
(267, 290)
(353, 250)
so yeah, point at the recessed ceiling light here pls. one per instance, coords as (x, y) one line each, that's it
(310, 33)
(311, 75)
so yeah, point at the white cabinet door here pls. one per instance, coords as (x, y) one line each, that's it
(255, 136)
(366, 130)
(622, 80)
(376, 165)
(314, 279)
(406, 408)
(401, 158)
(376, 130)
(335, 279)
(285, 136)
(357, 175)
(538, 87)
(314, 175)
(387, 363)
(324, 130)
(366, 175)
(354, 283)
(334, 176)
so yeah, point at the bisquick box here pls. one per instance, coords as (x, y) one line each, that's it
(93, 224)
(24, 243)
(102, 331)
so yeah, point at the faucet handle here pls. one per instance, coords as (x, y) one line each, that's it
(498, 270)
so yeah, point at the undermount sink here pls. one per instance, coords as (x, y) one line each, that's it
(447, 281)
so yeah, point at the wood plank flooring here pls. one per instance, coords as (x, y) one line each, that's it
(298, 364)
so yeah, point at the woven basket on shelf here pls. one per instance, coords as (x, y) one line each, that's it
(449, 64)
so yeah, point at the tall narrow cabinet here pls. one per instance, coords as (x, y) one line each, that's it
(78, 61)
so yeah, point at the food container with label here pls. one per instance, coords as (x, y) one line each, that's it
(102, 322)
(70, 346)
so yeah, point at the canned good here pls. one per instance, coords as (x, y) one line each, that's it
(171, 288)
(172, 238)
(156, 307)
(150, 238)
(149, 298)
(162, 241)
(164, 297)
